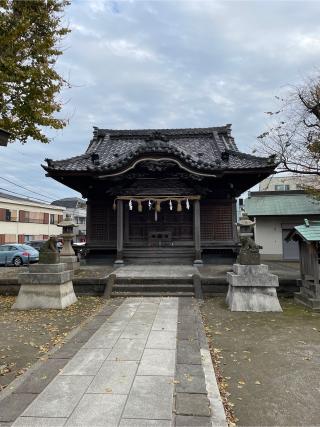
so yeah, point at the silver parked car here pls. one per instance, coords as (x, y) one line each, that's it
(17, 254)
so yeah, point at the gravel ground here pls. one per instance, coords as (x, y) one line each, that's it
(269, 363)
(27, 335)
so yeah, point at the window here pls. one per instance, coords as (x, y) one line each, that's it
(54, 219)
(80, 220)
(11, 215)
(33, 217)
(8, 215)
(282, 187)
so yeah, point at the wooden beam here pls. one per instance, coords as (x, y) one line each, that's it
(196, 232)
(119, 260)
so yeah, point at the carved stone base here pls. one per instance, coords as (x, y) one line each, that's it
(307, 300)
(45, 286)
(71, 261)
(248, 258)
(252, 288)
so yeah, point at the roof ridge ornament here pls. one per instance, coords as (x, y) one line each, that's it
(156, 136)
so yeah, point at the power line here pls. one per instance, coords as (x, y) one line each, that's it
(19, 194)
(25, 188)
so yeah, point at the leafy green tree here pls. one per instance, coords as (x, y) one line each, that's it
(30, 34)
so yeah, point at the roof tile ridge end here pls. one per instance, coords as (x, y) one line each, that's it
(245, 155)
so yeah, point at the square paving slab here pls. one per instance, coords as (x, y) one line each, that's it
(86, 362)
(114, 377)
(60, 397)
(150, 398)
(157, 362)
(127, 349)
(98, 411)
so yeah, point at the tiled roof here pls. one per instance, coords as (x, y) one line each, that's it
(69, 202)
(28, 201)
(203, 149)
(309, 231)
(282, 204)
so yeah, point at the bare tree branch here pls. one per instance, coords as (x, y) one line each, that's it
(295, 135)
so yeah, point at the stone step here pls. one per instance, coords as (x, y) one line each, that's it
(158, 261)
(161, 281)
(152, 294)
(121, 287)
(159, 248)
(159, 255)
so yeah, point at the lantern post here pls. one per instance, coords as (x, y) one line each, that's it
(67, 254)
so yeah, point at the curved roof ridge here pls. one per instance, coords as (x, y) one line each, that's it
(246, 155)
(147, 131)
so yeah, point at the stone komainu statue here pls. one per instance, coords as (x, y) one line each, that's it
(48, 253)
(249, 252)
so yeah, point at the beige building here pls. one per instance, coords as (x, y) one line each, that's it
(22, 220)
(277, 211)
(288, 183)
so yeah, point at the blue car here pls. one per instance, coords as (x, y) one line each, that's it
(17, 254)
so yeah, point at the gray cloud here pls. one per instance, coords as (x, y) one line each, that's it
(137, 64)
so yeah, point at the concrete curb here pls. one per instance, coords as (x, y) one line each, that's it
(218, 416)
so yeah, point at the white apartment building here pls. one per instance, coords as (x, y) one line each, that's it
(77, 208)
(22, 220)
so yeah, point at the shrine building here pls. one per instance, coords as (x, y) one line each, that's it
(161, 196)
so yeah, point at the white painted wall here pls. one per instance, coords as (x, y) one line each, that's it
(268, 233)
(16, 227)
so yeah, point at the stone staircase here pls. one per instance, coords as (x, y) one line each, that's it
(159, 255)
(148, 287)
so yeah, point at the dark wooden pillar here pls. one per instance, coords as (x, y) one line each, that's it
(234, 221)
(88, 222)
(119, 260)
(196, 232)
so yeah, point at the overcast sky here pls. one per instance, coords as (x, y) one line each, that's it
(166, 64)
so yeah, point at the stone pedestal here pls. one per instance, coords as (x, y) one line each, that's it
(71, 261)
(45, 286)
(252, 288)
(308, 295)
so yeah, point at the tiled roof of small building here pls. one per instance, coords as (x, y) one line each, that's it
(203, 149)
(310, 231)
(266, 203)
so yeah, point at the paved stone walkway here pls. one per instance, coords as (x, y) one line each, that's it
(140, 368)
